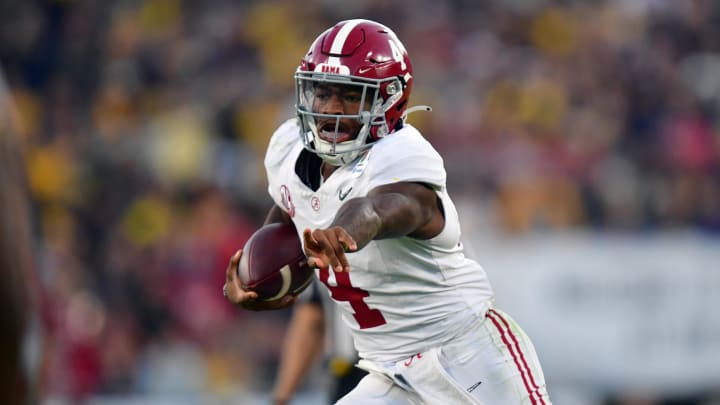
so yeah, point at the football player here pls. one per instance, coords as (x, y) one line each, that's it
(367, 194)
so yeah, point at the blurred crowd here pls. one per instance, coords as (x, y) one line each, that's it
(144, 125)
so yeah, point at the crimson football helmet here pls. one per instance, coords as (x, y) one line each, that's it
(371, 65)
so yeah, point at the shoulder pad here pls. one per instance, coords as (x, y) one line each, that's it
(282, 142)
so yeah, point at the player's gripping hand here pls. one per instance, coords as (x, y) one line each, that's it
(327, 247)
(234, 292)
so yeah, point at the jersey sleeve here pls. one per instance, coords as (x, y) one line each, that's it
(406, 157)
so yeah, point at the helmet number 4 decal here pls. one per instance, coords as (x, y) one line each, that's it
(397, 55)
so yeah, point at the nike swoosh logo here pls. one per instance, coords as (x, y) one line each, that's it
(363, 70)
(474, 386)
(342, 195)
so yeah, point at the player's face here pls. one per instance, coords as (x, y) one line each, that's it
(339, 99)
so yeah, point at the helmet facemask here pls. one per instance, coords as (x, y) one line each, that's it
(326, 134)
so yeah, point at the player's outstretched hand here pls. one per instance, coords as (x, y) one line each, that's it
(233, 291)
(327, 247)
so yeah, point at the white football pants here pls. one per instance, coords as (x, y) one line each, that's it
(494, 363)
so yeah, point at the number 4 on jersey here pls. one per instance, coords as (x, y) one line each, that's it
(344, 291)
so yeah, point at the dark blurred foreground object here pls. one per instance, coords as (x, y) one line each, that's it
(15, 263)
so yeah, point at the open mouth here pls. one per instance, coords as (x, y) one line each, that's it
(327, 132)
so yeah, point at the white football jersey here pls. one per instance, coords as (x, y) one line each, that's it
(403, 295)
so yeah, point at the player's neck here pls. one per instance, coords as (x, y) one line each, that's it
(326, 170)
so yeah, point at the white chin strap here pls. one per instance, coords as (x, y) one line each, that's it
(336, 159)
(339, 159)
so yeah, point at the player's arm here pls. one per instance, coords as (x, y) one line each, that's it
(248, 299)
(277, 215)
(389, 211)
(302, 346)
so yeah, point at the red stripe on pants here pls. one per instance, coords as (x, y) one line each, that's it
(532, 387)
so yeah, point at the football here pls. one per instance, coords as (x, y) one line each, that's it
(273, 263)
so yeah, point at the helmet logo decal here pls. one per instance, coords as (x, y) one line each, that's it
(334, 69)
(287, 200)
